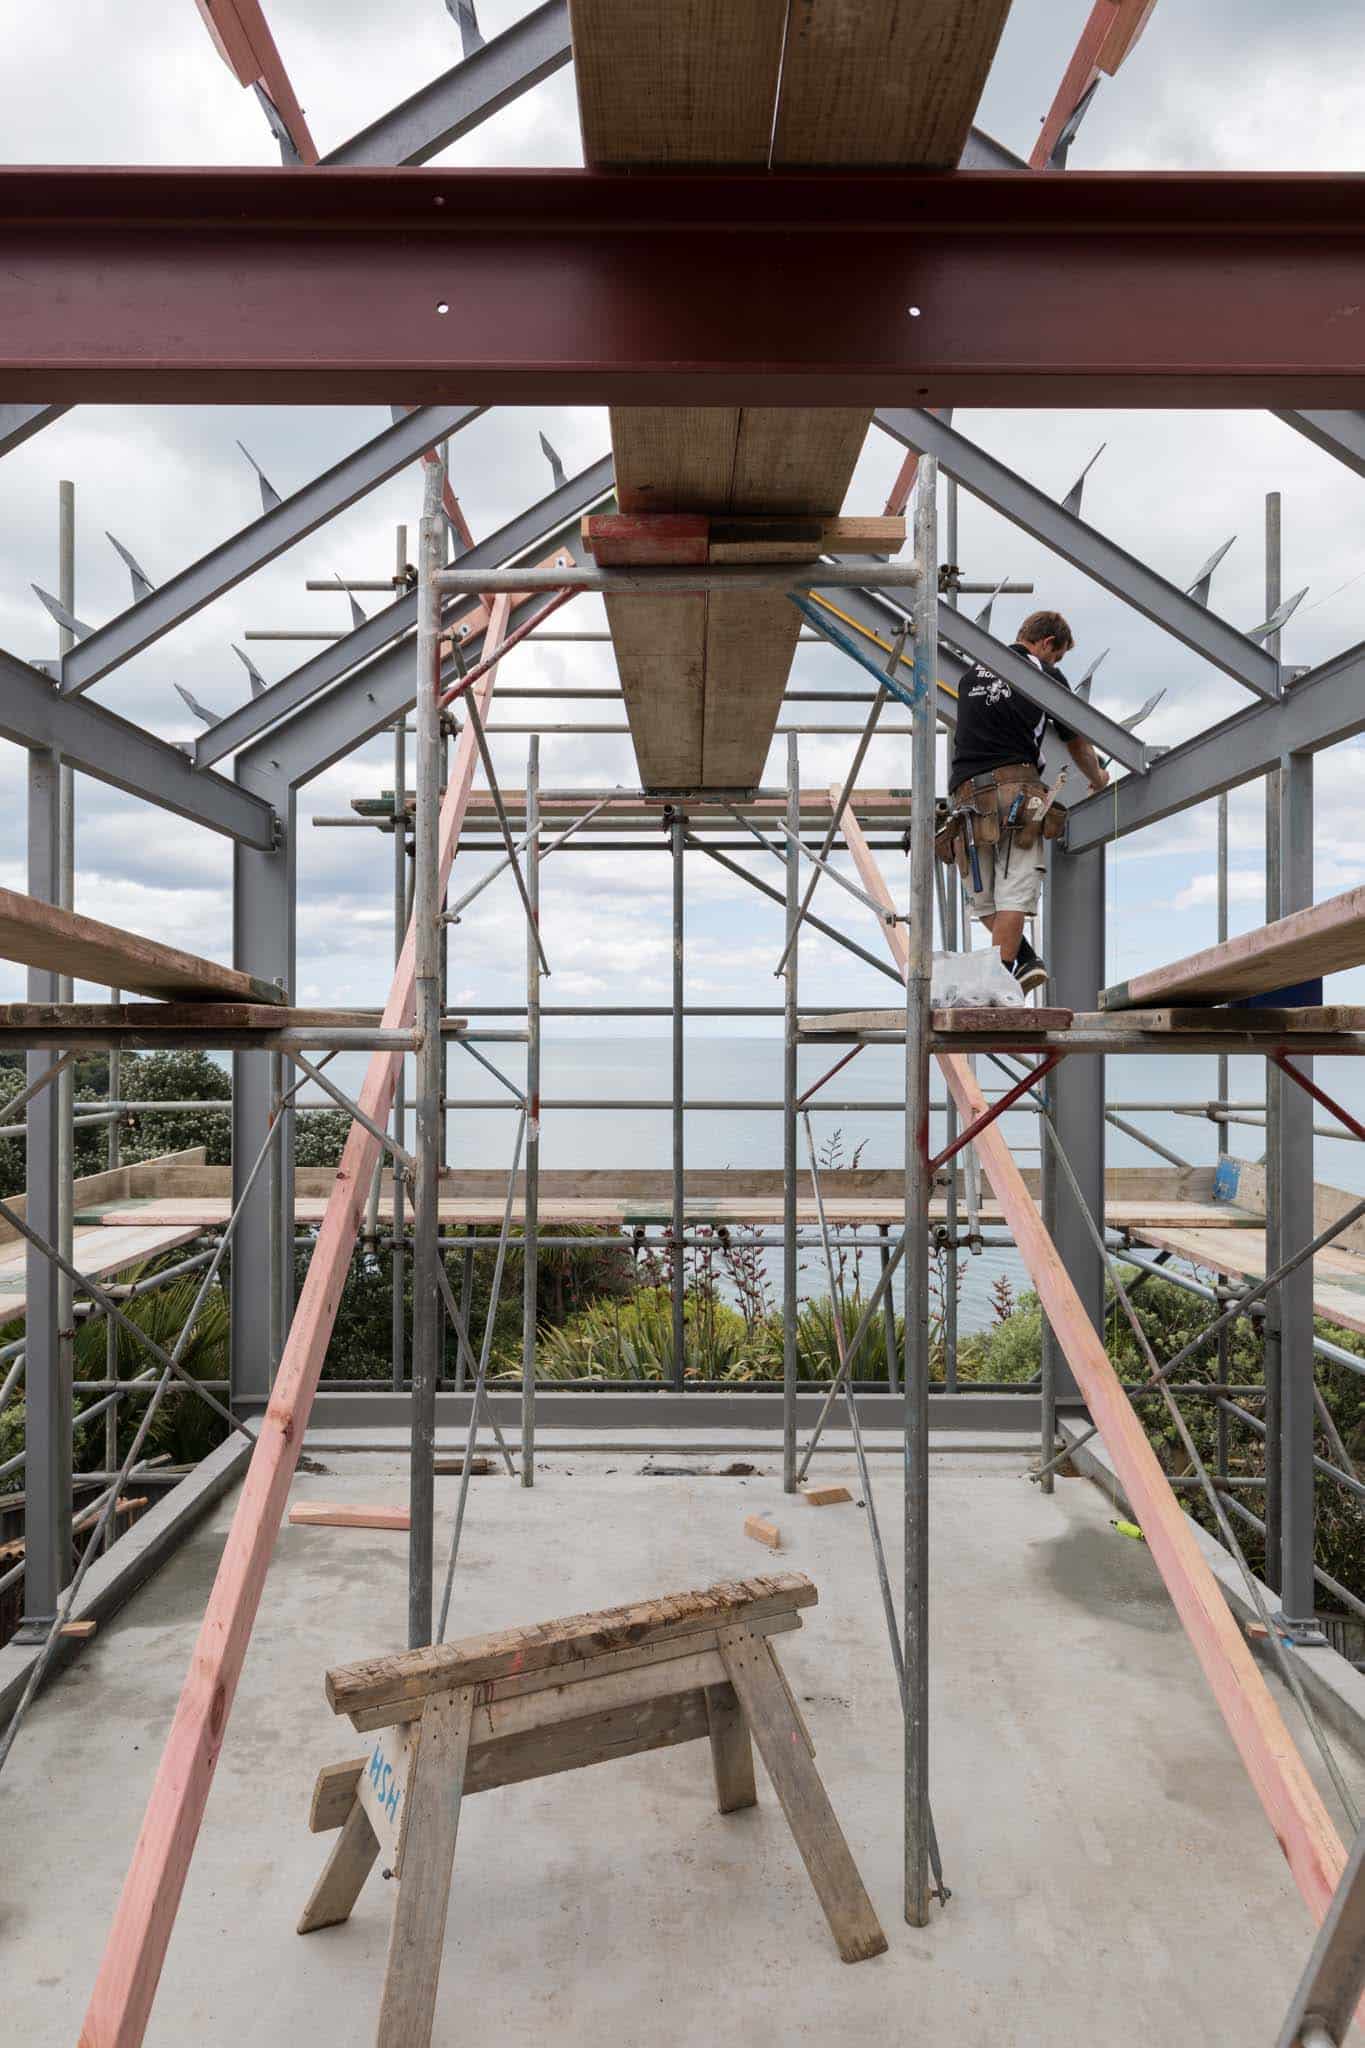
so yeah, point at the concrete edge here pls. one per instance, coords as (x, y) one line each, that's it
(113, 1578)
(588, 1410)
(1336, 1688)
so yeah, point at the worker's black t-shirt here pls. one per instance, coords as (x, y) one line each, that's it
(996, 725)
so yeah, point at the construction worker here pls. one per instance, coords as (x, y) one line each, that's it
(999, 811)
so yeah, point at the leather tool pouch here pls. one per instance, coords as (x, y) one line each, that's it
(947, 829)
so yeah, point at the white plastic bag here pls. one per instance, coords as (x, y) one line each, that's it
(974, 981)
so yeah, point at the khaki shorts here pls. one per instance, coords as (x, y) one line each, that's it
(1011, 878)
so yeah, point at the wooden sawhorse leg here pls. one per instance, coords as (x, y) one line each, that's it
(732, 1755)
(345, 1871)
(434, 1790)
(782, 1744)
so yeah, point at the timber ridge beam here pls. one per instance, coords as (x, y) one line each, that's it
(916, 287)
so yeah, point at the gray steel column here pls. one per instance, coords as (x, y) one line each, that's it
(1074, 948)
(919, 966)
(1293, 1198)
(1273, 1239)
(262, 944)
(790, 1260)
(948, 903)
(66, 987)
(47, 1405)
(426, 1305)
(398, 1334)
(530, 1227)
(679, 828)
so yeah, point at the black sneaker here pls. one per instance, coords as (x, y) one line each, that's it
(1028, 970)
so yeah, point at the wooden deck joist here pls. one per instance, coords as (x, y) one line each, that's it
(64, 942)
(763, 84)
(135, 1950)
(1297, 948)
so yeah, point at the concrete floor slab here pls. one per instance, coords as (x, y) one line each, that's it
(1113, 1877)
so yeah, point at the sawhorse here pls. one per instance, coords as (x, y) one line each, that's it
(528, 1702)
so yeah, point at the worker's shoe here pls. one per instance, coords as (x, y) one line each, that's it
(1028, 970)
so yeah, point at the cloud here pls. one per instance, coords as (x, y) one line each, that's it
(1209, 84)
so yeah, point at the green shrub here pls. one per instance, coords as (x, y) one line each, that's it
(633, 1340)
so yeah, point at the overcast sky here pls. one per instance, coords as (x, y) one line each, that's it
(1215, 84)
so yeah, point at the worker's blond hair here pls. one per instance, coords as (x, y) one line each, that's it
(1047, 626)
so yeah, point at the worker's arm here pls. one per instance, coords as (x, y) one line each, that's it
(1088, 761)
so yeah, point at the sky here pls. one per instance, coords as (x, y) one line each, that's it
(1214, 84)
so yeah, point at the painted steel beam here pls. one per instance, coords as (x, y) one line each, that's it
(1326, 706)
(1341, 434)
(490, 78)
(111, 749)
(679, 288)
(1078, 543)
(18, 422)
(526, 531)
(1059, 703)
(254, 545)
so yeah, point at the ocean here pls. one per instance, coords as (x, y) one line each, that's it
(748, 1069)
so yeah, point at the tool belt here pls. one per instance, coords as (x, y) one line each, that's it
(1012, 792)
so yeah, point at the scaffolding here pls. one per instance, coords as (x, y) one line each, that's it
(437, 648)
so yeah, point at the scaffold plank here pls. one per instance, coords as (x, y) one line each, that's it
(1303, 1828)
(1338, 1277)
(64, 942)
(130, 1968)
(767, 85)
(97, 1252)
(1320, 940)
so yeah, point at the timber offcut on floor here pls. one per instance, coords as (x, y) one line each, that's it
(763, 84)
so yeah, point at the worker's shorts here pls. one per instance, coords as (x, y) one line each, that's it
(1011, 877)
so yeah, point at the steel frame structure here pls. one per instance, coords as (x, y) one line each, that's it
(287, 735)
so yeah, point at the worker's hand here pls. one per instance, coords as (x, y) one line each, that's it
(1099, 780)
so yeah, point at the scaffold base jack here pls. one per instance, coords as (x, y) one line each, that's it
(530, 1702)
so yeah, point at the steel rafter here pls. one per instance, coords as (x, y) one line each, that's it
(490, 78)
(1111, 566)
(1326, 706)
(528, 530)
(18, 422)
(678, 288)
(113, 750)
(1341, 434)
(1054, 698)
(252, 546)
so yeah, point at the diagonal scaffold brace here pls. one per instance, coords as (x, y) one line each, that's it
(1302, 1825)
(135, 1950)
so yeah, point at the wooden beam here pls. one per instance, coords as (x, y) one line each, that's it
(1303, 1828)
(136, 1947)
(322, 1514)
(62, 941)
(1320, 940)
(703, 81)
(692, 538)
(415, 1674)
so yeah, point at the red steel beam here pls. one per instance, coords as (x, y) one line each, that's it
(326, 286)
